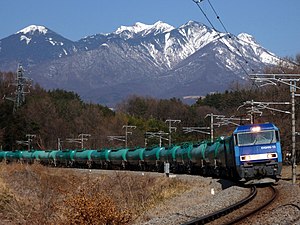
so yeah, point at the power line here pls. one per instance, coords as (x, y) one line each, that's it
(258, 107)
(218, 17)
(222, 24)
(198, 4)
(236, 47)
(228, 34)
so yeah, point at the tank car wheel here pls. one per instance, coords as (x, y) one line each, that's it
(189, 169)
(89, 164)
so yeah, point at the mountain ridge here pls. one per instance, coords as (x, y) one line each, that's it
(157, 60)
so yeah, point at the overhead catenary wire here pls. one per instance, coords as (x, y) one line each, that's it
(222, 24)
(218, 17)
(228, 34)
(197, 3)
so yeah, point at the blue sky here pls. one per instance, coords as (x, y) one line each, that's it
(274, 23)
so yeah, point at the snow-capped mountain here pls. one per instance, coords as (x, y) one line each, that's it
(34, 28)
(142, 30)
(158, 60)
(33, 45)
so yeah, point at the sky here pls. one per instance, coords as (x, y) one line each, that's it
(275, 24)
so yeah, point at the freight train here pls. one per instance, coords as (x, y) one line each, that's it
(252, 154)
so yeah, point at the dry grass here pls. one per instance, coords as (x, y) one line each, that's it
(33, 194)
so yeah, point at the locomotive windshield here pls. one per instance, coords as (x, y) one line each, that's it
(256, 138)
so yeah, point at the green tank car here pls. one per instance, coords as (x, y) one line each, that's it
(169, 154)
(100, 158)
(64, 157)
(41, 156)
(117, 157)
(26, 156)
(135, 158)
(82, 157)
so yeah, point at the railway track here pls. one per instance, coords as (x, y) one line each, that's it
(258, 199)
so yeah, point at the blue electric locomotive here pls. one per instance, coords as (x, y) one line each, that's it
(257, 153)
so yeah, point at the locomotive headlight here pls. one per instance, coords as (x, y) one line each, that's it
(245, 157)
(256, 129)
(272, 155)
(259, 156)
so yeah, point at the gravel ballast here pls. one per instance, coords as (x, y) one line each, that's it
(209, 195)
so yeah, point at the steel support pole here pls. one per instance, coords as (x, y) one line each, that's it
(211, 127)
(293, 89)
(170, 121)
(126, 133)
(252, 114)
(170, 133)
(160, 141)
(58, 144)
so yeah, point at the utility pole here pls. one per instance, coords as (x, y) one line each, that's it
(81, 138)
(28, 142)
(221, 121)
(127, 132)
(29, 139)
(294, 171)
(59, 147)
(170, 121)
(123, 138)
(212, 116)
(159, 134)
(290, 80)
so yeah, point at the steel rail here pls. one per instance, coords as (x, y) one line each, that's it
(244, 216)
(215, 215)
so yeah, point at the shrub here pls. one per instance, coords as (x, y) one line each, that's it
(82, 208)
